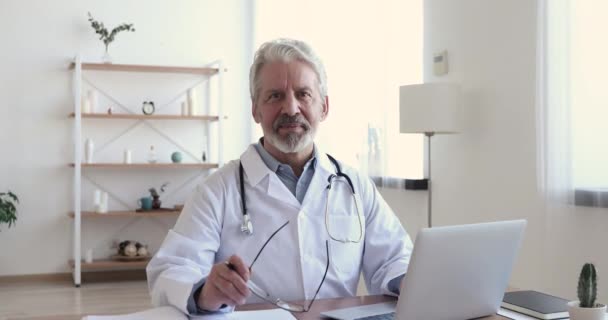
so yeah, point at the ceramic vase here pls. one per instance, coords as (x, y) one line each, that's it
(89, 148)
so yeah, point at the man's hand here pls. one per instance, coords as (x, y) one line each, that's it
(226, 284)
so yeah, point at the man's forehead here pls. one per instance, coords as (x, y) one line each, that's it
(295, 73)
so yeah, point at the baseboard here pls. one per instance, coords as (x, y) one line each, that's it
(86, 277)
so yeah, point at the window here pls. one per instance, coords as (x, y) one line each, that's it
(589, 95)
(573, 102)
(369, 49)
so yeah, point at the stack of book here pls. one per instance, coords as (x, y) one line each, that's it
(536, 304)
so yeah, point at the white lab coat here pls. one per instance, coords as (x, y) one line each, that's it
(291, 266)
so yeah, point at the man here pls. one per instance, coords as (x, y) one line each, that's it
(206, 260)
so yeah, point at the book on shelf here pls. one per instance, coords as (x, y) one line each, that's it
(536, 304)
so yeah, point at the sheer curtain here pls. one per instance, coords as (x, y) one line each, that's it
(369, 50)
(572, 102)
(553, 102)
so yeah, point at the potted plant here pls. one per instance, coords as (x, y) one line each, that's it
(108, 36)
(156, 203)
(586, 308)
(8, 208)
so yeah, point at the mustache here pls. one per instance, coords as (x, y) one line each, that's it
(285, 119)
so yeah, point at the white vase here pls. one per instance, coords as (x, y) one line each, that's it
(578, 313)
(93, 100)
(184, 108)
(88, 257)
(104, 203)
(97, 201)
(106, 58)
(85, 104)
(127, 156)
(192, 103)
(89, 148)
(151, 155)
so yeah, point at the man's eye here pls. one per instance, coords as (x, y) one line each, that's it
(274, 96)
(305, 94)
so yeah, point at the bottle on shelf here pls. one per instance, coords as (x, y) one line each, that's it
(89, 148)
(151, 155)
(97, 201)
(192, 102)
(93, 100)
(184, 108)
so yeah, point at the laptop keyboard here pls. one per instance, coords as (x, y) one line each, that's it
(386, 316)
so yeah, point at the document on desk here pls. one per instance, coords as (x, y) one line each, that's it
(170, 313)
(516, 315)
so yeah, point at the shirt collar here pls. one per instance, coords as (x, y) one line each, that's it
(273, 164)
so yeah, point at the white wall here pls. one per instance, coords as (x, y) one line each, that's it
(489, 171)
(39, 40)
(486, 173)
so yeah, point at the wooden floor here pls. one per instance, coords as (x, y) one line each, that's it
(46, 299)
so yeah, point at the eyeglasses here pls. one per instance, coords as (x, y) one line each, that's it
(262, 294)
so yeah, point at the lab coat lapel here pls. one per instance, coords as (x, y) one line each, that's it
(260, 176)
(323, 169)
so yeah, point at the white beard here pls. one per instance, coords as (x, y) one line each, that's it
(291, 143)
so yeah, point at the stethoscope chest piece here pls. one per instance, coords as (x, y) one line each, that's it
(247, 226)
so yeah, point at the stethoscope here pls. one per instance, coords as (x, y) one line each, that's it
(247, 226)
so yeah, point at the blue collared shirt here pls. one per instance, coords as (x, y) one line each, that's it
(297, 186)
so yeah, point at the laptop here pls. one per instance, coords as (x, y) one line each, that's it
(455, 273)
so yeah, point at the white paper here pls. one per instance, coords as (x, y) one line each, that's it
(161, 313)
(516, 315)
(170, 313)
(272, 314)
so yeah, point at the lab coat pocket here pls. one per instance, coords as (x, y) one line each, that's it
(346, 256)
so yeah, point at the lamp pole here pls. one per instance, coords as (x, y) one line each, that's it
(429, 206)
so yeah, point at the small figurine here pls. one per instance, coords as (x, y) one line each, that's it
(130, 248)
(142, 251)
(110, 110)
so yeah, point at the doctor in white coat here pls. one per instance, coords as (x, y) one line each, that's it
(332, 234)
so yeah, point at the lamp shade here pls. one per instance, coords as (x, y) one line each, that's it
(430, 108)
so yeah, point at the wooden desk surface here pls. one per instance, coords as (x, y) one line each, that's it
(337, 303)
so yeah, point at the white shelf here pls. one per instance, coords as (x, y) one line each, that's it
(214, 121)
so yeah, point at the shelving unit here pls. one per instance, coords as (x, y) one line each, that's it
(108, 265)
(127, 214)
(76, 264)
(166, 165)
(144, 117)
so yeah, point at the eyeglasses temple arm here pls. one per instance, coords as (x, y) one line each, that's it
(265, 243)
(322, 280)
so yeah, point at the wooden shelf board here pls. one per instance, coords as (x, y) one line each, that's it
(144, 117)
(151, 213)
(98, 265)
(167, 165)
(145, 68)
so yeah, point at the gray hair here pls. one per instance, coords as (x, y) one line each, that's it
(285, 50)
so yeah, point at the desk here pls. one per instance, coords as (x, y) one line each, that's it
(337, 303)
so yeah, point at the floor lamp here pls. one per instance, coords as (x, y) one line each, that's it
(430, 109)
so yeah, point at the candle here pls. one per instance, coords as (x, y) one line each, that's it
(127, 156)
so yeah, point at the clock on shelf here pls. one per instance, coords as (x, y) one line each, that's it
(148, 108)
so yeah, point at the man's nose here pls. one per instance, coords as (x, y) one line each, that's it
(291, 106)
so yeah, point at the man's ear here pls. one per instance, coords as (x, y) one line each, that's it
(255, 113)
(325, 108)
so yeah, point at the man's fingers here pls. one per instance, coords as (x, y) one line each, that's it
(240, 267)
(228, 289)
(236, 280)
